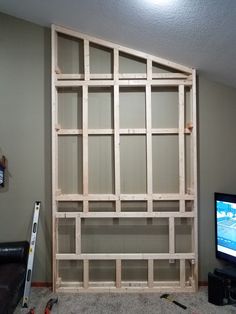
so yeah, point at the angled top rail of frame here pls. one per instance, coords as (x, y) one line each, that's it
(120, 48)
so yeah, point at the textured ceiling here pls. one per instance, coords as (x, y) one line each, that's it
(196, 33)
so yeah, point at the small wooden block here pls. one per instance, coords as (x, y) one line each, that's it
(57, 127)
(57, 70)
(190, 126)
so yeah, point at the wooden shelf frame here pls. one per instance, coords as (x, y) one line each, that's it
(180, 77)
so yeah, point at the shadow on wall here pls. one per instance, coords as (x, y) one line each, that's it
(46, 214)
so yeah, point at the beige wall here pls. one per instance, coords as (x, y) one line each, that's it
(25, 140)
(25, 135)
(217, 156)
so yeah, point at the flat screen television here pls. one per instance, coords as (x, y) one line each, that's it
(225, 226)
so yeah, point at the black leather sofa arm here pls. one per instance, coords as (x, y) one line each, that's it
(14, 252)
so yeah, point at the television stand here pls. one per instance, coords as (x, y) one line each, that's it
(222, 286)
(227, 272)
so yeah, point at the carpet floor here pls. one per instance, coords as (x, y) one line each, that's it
(197, 303)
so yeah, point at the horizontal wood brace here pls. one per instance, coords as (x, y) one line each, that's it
(172, 197)
(73, 83)
(70, 132)
(171, 75)
(125, 283)
(90, 131)
(121, 131)
(129, 131)
(155, 82)
(100, 131)
(104, 76)
(132, 131)
(124, 214)
(106, 288)
(134, 256)
(89, 197)
(124, 197)
(169, 131)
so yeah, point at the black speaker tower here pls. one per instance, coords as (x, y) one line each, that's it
(222, 286)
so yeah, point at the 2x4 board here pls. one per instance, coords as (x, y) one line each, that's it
(124, 168)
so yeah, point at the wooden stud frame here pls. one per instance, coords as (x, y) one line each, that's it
(180, 77)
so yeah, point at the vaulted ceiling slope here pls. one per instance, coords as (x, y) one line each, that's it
(199, 34)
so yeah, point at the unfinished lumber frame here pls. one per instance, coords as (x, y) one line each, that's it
(72, 209)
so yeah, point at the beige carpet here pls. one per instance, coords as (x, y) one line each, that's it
(196, 303)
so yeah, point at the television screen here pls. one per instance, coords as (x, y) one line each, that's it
(225, 222)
